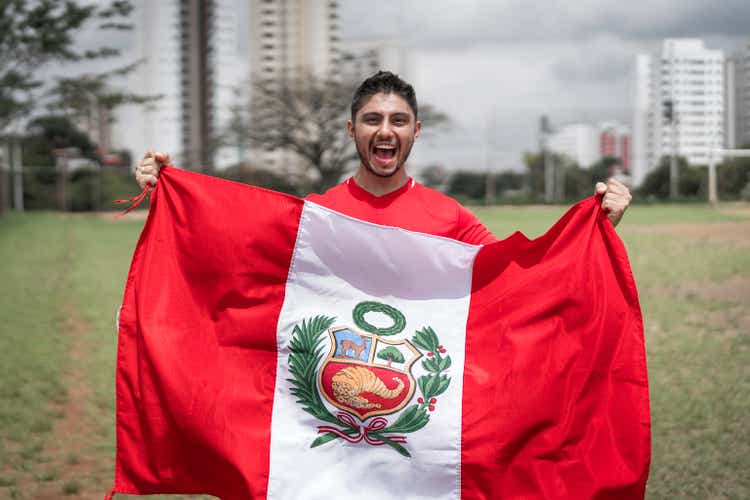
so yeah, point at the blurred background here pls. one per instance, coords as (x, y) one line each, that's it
(525, 106)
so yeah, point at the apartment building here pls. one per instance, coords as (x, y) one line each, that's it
(679, 104)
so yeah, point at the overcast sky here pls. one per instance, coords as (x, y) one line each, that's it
(509, 62)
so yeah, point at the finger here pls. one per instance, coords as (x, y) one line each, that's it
(617, 189)
(149, 154)
(620, 195)
(617, 186)
(162, 158)
(615, 203)
(149, 179)
(149, 169)
(600, 188)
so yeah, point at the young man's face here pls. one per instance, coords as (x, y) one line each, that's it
(384, 130)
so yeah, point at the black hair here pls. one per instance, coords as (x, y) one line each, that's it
(387, 83)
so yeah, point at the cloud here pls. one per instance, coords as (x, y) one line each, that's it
(516, 60)
(441, 23)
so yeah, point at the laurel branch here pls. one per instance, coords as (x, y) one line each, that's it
(432, 385)
(307, 353)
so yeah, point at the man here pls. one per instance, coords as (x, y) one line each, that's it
(384, 125)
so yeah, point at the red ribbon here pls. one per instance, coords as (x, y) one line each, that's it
(363, 431)
(135, 200)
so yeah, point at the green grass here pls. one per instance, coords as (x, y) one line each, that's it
(535, 219)
(697, 339)
(34, 253)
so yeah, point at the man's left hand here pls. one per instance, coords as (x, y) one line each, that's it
(616, 199)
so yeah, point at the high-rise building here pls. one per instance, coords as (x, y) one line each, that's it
(645, 114)
(586, 143)
(614, 141)
(363, 58)
(189, 55)
(293, 39)
(197, 19)
(738, 98)
(290, 42)
(685, 80)
(157, 47)
(577, 141)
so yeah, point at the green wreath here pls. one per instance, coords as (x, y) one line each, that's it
(399, 322)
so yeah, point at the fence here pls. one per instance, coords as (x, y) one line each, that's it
(87, 188)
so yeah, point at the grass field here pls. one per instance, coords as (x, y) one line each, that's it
(61, 280)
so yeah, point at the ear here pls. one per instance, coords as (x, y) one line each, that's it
(350, 128)
(417, 129)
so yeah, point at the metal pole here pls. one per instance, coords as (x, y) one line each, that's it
(548, 177)
(489, 187)
(673, 170)
(549, 174)
(4, 160)
(17, 162)
(713, 195)
(98, 188)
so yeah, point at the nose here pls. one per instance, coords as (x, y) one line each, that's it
(385, 131)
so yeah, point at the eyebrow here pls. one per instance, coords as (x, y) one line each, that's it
(376, 114)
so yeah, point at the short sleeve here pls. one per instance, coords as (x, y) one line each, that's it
(470, 229)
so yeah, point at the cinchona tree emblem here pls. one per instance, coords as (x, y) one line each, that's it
(364, 375)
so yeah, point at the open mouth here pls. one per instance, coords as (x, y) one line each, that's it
(384, 153)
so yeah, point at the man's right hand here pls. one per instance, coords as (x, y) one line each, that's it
(147, 170)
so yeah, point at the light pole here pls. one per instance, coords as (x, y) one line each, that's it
(549, 172)
(16, 161)
(669, 116)
(489, 187)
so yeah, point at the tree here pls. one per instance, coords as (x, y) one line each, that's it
(733, 175)
(434, 176)
(34, 33)
(535, 171)
(45, 186)
(308, 119)
(89, 98)
(391, 354)
(692, 180)
(467, 184)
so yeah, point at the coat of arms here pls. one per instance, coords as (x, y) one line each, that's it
(367, 375)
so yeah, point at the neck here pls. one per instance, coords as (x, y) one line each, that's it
(379, 186)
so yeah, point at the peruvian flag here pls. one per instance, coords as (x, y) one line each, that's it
(272, 348)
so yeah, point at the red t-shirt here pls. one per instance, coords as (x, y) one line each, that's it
(413, 207)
